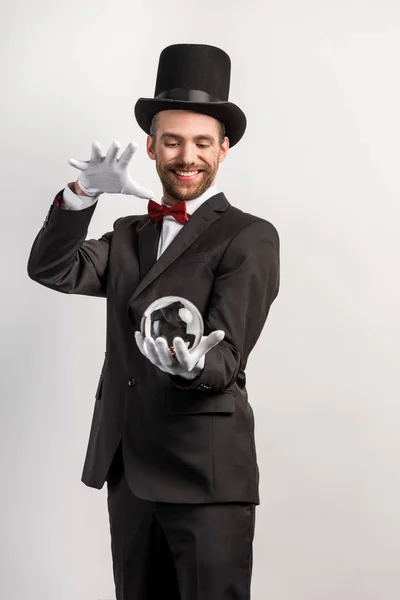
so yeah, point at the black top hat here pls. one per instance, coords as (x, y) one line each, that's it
(194, 77)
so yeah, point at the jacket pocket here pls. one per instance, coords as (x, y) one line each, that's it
(198, 257)
(197, 403)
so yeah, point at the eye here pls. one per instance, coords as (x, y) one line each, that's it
(203, 145)
(171, 145)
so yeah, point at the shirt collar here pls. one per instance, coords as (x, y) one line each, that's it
(193, 205)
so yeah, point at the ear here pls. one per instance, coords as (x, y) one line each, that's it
(149, 147)
(224, 149)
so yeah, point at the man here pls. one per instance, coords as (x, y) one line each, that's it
(173, 436)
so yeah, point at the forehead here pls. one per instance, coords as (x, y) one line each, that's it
(186, 123)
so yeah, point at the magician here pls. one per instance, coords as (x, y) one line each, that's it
(172, 433)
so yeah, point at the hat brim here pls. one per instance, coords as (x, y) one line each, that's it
(231, 115)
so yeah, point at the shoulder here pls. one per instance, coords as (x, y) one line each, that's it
(130, 222)
(248, 227)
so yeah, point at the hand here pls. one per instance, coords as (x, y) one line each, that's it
(109, 174)
(186, 363)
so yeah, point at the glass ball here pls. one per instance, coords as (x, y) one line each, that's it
(170, 317)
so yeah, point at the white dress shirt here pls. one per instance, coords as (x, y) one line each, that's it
(170, 226)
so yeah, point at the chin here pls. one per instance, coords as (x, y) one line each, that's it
(190, 195)
(183, 192)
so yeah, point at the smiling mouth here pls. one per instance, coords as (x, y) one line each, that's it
(186, 175)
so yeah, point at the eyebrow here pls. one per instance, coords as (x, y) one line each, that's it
(209, 138)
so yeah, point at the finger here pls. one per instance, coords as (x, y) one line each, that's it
(164, 353)
(96, 154)
(127, 154)
(133, 188)
(183, 356)
(78, 164)
(140, 342)
(151, 350)
(208, 342)
(112, 151)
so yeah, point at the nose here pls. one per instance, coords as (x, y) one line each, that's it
(188, 153)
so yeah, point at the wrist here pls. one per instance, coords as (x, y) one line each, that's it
(193, 374)
(79, 191)
(76, 188)
(196, 371)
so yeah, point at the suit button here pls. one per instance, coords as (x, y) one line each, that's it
(132, 382)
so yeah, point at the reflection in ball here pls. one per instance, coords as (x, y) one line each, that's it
(170, 317)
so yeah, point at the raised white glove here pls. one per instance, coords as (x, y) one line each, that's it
(109, 174)
(186, 363)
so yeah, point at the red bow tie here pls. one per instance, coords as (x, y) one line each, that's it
(158, 211)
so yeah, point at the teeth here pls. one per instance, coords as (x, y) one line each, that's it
(187, 173)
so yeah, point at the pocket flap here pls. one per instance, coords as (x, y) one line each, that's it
(197, 403)
(198, 257)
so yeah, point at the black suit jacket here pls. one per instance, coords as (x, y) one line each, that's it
(189, 441)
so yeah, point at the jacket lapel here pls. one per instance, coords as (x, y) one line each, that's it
(201, 220)
(148, 238)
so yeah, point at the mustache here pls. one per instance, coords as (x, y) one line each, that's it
(185, 168)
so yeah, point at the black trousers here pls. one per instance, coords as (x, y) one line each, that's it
(177, 551)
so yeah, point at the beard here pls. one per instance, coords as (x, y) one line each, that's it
(182, 190)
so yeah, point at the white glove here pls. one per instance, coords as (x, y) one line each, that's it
(186, 363)
(109, 174)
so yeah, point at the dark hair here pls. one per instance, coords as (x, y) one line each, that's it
(154, 123)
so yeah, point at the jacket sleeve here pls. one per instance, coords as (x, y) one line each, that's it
(246, 284)
(62, 260)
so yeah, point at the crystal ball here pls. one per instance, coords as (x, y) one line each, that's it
(170, 317)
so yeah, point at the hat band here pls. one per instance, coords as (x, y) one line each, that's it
(188, 95)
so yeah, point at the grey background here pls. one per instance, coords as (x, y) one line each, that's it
(319, 82)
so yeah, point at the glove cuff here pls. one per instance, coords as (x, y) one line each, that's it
(89, 191)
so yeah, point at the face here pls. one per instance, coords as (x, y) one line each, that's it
(187, 151)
